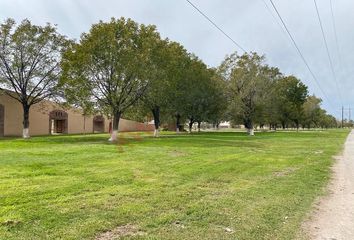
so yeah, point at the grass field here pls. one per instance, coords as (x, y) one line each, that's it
(199, 186)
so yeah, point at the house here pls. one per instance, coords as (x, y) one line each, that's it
(47, 118)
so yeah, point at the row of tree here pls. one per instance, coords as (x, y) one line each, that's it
(260, 95)
(122, 68)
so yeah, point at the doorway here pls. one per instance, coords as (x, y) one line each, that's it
(98, 124)
(60, 126)
(58, 122)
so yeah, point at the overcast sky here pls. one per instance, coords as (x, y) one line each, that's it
(249, 22)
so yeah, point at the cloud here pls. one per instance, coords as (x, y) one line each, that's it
(250, 23)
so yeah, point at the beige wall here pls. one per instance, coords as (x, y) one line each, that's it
(132, 126)
(39, 119)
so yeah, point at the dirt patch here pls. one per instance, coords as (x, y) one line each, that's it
(178, 224)
(333, 215)
(319, 152)
(285, 172)
(121, 231)
(11, 223)
(228, 230)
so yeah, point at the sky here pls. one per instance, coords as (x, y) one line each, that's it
(251, 23)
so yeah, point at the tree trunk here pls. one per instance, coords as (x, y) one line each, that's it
(114, 134)
(156, 114)
(25, 131)
(178, 118)
(199, 123)
(297, 125)
(84, 124)
(190, 125)
(250, 128)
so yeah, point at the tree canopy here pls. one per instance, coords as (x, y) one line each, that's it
(123, 67)
(30, 58)
(112, 64)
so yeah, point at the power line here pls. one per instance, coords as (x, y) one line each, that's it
(215, 25)
(274, 17)
(335, 32)
(350, 114)
(349, 109)
(299, 52)
(327, 50)
(336, 37)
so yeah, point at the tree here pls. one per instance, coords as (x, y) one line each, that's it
(292, 94)
(327, 120)
(315, 116)
(79, 99)
(178, 75)
(169, 61)
(312, 112)
(112, 62)
(217, 104)
(267, 110)
(246, 80)
(197, 92)
(29, 63)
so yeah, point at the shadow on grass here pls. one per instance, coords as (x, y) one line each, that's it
(166, 139)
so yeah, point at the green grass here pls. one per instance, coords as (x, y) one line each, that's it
(175, 187)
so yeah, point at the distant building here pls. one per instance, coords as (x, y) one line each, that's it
(225, 125)
(50, 118)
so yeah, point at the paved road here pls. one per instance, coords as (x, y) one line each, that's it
(334, 219)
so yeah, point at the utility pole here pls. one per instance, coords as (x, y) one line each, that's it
(342, 116)
(350, 115)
